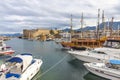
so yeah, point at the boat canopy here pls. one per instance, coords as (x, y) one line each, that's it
(15, 59)
(117, 62)
(27, 59)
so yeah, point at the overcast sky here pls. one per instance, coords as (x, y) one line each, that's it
(16, 15)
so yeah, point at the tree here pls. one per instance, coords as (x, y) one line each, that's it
(52, 32)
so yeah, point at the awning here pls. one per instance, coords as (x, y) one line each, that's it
(15, 59)
(117, 62)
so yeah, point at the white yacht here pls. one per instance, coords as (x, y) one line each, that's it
(20, 67)
(110, 47)
(109, 51)
(109, 70)
(92, 56)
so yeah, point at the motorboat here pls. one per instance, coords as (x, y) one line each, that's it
(4, 50)
(110, 47)
(109, 51)
(92, 56)
(109, 70)
(20, 67)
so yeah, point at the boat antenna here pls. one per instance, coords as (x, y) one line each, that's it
(98, 24)
(81, 25)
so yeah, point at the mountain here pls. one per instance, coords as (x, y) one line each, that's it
(12, 35)
(66, 30)
(115, 26)
(87, 28)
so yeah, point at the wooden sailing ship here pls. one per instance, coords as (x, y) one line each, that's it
(83, 43)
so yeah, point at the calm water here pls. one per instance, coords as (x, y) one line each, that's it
(57, 64)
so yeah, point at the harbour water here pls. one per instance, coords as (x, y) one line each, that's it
(57, 64)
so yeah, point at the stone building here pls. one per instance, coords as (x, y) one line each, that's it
(35, 33)
(38, 34)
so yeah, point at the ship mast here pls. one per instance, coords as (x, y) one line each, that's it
(103, 21)
(108, 28)
(98, 24)
(118, 29)
(71, 26)
(111, 26)
(29, 35)
(81, 25)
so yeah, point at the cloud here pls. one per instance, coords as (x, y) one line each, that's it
(16, 15)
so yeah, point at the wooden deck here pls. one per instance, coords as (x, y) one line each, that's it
(88, 43)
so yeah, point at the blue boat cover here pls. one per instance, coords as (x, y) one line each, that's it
(8, 75)
(15, 59)
(27, 54)
(115, 62)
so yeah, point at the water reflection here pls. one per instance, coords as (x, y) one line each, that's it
(90, 76)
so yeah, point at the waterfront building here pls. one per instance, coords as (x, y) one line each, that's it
(41, 34)
(33, 33)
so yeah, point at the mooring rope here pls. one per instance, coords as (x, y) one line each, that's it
(51, 67)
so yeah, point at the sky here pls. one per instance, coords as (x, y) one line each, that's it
(16, 15)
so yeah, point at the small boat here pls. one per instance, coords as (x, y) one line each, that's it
(57, 40)
(109, 70)
(49, 39)
(66, 48)
(20, 67)
(6, 51)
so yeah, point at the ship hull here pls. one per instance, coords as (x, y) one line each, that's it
(101, 73)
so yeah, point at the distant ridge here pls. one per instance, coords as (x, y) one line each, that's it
(115, 27)
(12, 35)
